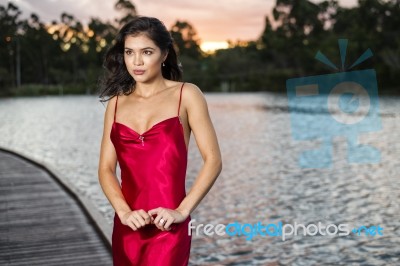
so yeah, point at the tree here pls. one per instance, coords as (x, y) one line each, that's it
(128, 9)
(9, 34)
(186, 40)
(38, 50)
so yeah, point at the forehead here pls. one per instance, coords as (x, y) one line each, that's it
(139, 41)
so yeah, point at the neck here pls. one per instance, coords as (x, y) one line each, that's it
(150, 88)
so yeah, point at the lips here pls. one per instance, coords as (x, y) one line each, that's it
(138, 72)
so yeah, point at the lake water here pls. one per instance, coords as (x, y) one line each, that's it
(261, 179)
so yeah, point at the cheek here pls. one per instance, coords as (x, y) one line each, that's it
(155, 62)
(128, 65)
(126, 60)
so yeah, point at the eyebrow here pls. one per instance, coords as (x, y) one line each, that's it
(146, 48)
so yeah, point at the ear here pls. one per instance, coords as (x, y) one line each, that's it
(165, 56)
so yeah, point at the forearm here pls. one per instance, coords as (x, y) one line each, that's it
(208, 174)
(112, 190)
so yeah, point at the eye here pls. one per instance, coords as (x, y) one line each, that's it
(128, 52)
(147, 52)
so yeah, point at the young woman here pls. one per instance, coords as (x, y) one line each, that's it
(147, 127)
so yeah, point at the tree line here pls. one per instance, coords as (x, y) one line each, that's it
(66, 56)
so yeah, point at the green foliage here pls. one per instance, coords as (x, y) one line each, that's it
(298, 30)
(66, 56)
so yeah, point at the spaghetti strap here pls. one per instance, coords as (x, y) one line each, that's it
(115, 109)
(180, 97)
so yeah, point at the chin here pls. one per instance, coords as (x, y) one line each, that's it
(140, 78)
(144, 79)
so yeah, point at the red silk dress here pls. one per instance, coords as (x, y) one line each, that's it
(153, 170)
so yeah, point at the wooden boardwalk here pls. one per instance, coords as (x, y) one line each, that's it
(41, 223)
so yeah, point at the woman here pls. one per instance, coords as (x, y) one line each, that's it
(147, 129)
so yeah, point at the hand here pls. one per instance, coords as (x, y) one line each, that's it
(165, 217)
(136, 219)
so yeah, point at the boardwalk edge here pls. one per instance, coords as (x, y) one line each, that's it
(97, 219)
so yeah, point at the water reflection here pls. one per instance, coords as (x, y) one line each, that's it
(261, 179)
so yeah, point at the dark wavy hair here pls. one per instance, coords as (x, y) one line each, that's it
(117, 79)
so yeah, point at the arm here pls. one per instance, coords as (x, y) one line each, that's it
(206, 139)
(194, 103)
(108, 179)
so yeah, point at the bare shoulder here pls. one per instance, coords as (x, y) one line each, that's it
(192, 95)
(111, 102)
(192, 88)
(110, 109)
(196, 106)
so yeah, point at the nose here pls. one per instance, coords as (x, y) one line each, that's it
(137, 60)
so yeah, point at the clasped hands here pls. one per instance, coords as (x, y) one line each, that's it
(163, 218)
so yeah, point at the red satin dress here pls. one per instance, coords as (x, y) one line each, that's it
(153, 170)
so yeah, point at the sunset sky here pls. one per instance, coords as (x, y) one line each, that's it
(215, 21)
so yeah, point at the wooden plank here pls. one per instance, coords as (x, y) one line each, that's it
(41, 223)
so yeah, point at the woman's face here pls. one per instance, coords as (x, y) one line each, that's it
(143, 58)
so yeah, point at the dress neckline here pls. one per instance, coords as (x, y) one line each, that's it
(152, 127)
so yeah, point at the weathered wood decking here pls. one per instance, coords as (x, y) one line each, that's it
(41, 223)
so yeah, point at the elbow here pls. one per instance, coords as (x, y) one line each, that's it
(104, 171)
(100, 174)
(100, 171)
(217, 165)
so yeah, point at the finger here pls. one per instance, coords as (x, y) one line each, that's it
(157, 220)
(139, 219)
(159, 226)
(145, 216)
(169, 219)
(132, 225)
(153, 216)
(162, 224)
(158, 217)
(153, 211)
(160, 221)
(136, 222)
(168, 224)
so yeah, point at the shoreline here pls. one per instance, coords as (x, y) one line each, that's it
(100, 223)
